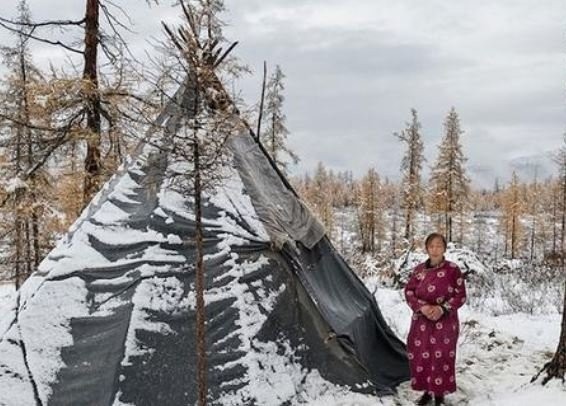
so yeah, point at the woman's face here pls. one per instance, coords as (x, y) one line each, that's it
(435, 249)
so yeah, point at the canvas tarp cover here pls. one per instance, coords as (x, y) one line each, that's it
(285, 217)
(109, 318)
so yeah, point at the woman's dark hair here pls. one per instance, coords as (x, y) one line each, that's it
(432, 236)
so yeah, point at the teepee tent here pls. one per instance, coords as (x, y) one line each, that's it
(109, 318)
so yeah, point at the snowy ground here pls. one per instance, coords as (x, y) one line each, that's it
(496, 360)
(497, 355)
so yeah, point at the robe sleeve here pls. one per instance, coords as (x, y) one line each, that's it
(458, 297)
(410, 292)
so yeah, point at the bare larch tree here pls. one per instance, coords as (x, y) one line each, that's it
(411, 166)
(201, 145)
(449, 183)
(24, 207)
(274, 136)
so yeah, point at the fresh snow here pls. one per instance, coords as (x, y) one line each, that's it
(498, 355)
(164, 294)
(44, 336)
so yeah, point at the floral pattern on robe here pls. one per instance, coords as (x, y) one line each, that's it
(431, 345)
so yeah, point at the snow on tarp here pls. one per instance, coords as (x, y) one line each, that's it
(109, 318)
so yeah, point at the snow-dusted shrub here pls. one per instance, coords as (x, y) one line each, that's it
(509, 265)
(371, 266)
(532, 289)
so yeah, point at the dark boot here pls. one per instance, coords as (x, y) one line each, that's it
(424, 399)
(439, 400)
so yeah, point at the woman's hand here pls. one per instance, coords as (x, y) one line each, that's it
(432, 312)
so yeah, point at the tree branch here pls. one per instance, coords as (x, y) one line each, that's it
(56, 143)
(129, 95)
(113, 21)
(39, 39)
(43, 23)
(28, 125)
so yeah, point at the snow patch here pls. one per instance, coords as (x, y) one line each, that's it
(44, 336)
(154, 294)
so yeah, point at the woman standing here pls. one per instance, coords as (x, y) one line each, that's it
(434, 292)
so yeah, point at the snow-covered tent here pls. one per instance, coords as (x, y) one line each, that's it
(109, 318)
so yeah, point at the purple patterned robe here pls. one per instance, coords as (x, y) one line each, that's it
(431, 346)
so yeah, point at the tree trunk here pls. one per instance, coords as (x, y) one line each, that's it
(199, 276)
(260, 116)
(563, 222)
(92, 162)
(372, 218)
(534, 222)
(27, 245)
(513, 234)
(273, 140)
(533, 236)
(394, 230)
(35, 238)
(18, 253)
(410, 206)
(554, 204)
(556, 368)
(408, 221)
(506, 250)
(24, 158)
(450, 196)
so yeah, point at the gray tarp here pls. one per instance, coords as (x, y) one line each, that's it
(283, 215)
(308, 307)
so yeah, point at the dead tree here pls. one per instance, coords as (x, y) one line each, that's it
(94, 118)
(93, 108)
(556, 367)
(212, 120)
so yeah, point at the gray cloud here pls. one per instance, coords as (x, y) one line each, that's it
(356, 86)
(355, 70)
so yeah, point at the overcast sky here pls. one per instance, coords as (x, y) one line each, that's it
(355, 69)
